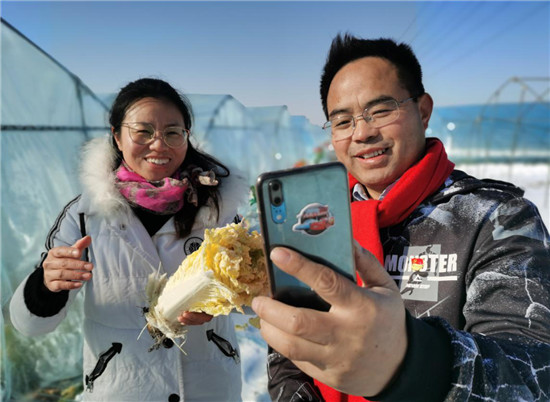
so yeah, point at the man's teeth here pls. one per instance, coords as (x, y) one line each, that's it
(157, 161)
(373, 154)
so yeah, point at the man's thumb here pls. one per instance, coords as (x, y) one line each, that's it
(369, 269)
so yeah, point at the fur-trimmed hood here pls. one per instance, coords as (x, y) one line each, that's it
(98, 184)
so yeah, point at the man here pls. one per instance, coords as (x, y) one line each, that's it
(475, 325)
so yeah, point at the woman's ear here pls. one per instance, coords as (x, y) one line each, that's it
(117, 138)
(426, 105)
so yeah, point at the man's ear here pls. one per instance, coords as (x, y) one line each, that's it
(426, 105)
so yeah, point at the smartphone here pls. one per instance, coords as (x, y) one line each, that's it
(306, 209)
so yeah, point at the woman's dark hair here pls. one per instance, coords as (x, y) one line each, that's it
(347, 48)
(159, 89)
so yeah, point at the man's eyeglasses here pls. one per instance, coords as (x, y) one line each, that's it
(376, 116)
(144, 134)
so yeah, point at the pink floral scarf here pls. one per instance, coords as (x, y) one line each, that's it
(166, 196)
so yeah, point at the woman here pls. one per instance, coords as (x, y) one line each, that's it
(147, 197)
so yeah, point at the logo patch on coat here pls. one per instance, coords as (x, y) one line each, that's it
(191, 245)
(420, 269)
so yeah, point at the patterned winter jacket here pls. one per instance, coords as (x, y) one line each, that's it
(473, 266)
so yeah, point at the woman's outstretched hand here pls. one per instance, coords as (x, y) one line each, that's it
(63, 268)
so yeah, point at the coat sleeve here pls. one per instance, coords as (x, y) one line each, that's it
(503, 351)
(34, 310)
(287, 383)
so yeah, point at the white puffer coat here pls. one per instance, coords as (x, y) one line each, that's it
(124, 255)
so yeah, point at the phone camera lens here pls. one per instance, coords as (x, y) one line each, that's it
(275, 186)
(277, 200)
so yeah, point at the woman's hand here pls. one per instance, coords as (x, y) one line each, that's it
(190, 318)
(63, 269)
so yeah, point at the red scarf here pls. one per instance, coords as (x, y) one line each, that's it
(416, 184)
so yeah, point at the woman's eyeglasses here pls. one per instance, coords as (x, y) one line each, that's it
(144, 134)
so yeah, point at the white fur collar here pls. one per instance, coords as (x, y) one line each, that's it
(98, 184)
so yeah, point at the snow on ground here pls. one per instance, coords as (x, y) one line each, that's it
(533, 179)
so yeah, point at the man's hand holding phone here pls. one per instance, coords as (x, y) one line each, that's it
(355, 347)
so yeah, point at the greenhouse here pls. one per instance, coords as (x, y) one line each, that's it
(48, 113)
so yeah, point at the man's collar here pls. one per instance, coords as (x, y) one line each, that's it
(360, 193)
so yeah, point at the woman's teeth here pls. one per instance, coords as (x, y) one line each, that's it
(157, 161)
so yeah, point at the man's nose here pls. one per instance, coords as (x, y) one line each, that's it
(362, 130)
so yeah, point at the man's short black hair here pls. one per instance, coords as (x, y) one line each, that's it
(347, 48)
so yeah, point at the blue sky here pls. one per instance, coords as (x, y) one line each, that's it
(271, 53)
